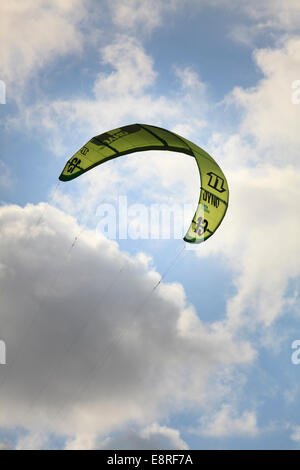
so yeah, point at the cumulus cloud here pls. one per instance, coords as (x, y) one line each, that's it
(268, 133)
(274, 14)
(130, 61)
(260, 238)
(153, 436)
(267, 16)
(269, 115)
(32, 441)
(145, 16)
(227, 423)
(35, 32)
(82, 360)
(256, 19)
(261, 163)
(260, 234)
(122, 94)
(295, 433)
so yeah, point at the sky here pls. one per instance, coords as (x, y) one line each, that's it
(117, 342)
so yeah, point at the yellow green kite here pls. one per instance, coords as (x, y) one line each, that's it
(214, 194)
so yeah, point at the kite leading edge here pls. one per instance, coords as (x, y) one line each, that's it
(214, 193)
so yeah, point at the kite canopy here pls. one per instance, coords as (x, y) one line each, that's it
(213, 200)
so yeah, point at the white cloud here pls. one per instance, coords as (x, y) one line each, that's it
(134, 15)
(32, 441)
(248, 238)
(35, 32)
(259, 248)
(84, 361)
(260, 233)
(153, 436)
(227, 423)
(261, 19)
(84, 441)
(120, 96)
(265, 16)
(130, 62)
(163, 437)
(260, 238)
(295, 432)
(270, 117)
(274, 14)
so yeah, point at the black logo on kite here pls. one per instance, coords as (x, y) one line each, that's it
(201, 226)
(74, 163)
(109, 137)
(84, 150)
(210, 198)
(216, 182)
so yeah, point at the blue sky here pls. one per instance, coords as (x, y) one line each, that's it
(92, 360)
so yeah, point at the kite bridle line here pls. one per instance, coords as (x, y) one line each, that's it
(107, 351)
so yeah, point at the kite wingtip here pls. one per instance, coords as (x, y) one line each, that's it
(63, 177)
